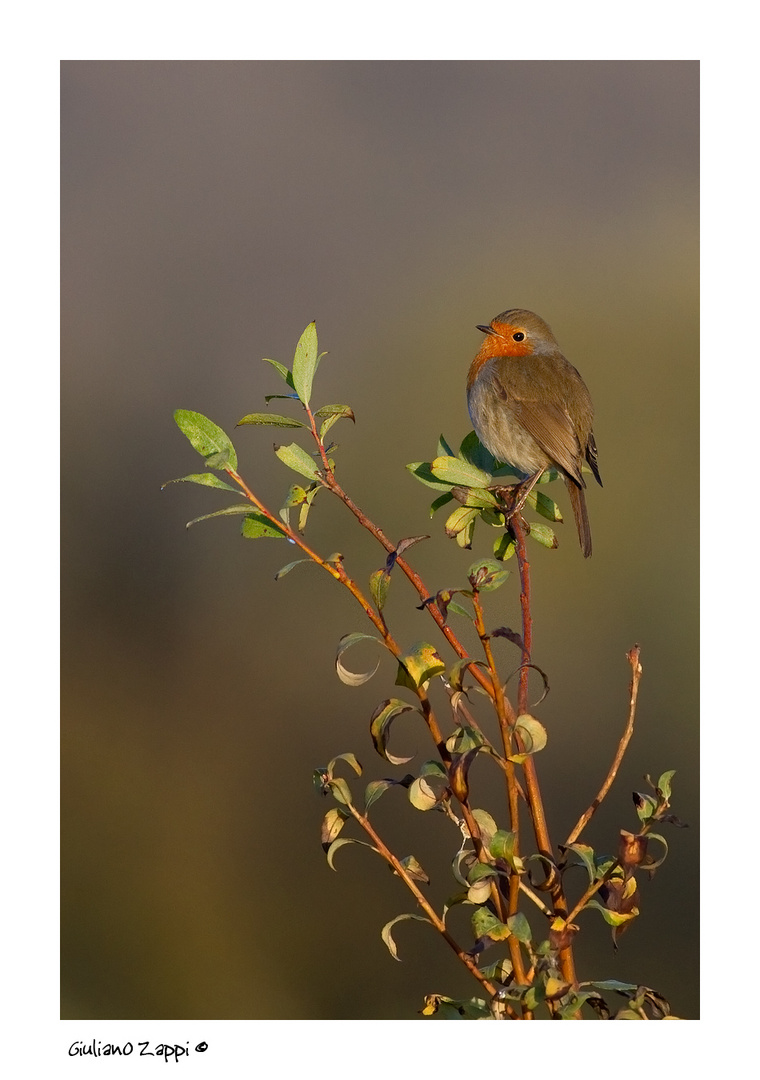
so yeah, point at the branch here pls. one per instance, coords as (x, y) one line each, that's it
(636, 669)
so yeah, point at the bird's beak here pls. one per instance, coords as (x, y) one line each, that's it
(486, 329)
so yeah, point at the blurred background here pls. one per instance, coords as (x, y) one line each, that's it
(210, 210)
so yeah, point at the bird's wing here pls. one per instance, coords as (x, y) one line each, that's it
(551, 427)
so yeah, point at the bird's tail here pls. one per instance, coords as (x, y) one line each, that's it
(578, 503)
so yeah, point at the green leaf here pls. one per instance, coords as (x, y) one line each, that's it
(256, 526)
(352, 678)
(446, 1008)
(482, 499)
(650, 863)
(520, 927)
(380, 724)
(502, 846)
(484, 924)
(422, 794)
(436, 504)
(426, 791)
(306, 506)
(421, 470)
(270, 420)
(480, 879)
(456, 471)
(444, 449)
(286, 569)
(419, 665)
(532, 733)
(379, 584)
(545, 506)
(295, 496)
(207, 438)
(624, 988)
(487, 575)
(504, 547)
(388, 937)
(473, 451)
(414, 869)
(375, 789)
(587, 856)
(240, 508)
(663, 784)
(460, 520)
(458, 671)
(613, 918)
(341, 842)
(349, 758)
(284, 372)
(297, 459)
(486, 824)
(305, 362)
(543, 535)
(464, 738)
(205, 479)
(645, 805)
(341, 792)
(331, 414)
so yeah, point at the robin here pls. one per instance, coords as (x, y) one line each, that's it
(531, 409)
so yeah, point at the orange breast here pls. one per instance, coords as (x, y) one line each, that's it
(499, 344)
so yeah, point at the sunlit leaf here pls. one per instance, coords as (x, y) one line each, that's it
(296, 458)
(544, 535)
(419, 665)
(532, 733)
(350, 759)
(414, 869)
(421, 470)
(305, 362)
(664, 784)
(240, 508)
(376, 788)
(332, 824)
(340, 790)
(485, 924)
(487, 575)
(587, 856)
(341, 842)
(352, 678)
(270, 420)
(520, 927)
(286, 569)
(455, 471)
(459, 521)
(379, 583)
(331, 414)
(544, 506)
(380, 724)
(504, 548)
(257, 525)
(283, 371)
(388, 937)
(206, 479)
(207, 438)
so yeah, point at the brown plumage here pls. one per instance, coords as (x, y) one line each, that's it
(531, 409)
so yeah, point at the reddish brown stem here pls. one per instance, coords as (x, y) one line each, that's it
(636, 671)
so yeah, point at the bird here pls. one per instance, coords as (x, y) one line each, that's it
(532, 410)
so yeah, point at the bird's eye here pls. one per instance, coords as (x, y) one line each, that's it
(519, 336)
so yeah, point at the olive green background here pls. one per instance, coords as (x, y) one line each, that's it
(210, 210)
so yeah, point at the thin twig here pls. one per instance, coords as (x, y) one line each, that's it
(423, 902)
(636, 669)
